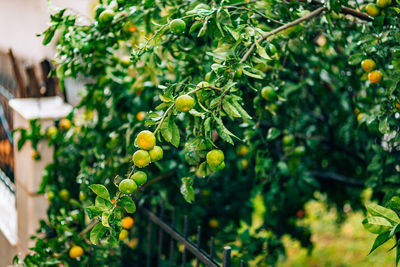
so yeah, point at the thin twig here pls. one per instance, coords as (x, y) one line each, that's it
(281, 28)
(88, 227)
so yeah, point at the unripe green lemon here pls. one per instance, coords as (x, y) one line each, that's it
(184, 103)
(368, 65)
(299, 151)
(156, 153)
(268, 93)
(123, 234)
(75, 252)
(127, 186)
(177, 26)
(139, 177)
(288, 140)
(141, 158)
(383, 3)
(146, 140)
(375, 76)
(51, 131)
(106, 16)
(214, 158)
(239, 73)
(64, 194)
(372, 10)
(50, 196)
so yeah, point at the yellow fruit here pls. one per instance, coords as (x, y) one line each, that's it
(146, 140)
(123, 234)
(244, 163)
(65, 124)
(51, 131)
(214, 158)
(141, 158)
(397, 105)
(242, 150)
(127, 186)
(75, 252)
(184, 103)
(50, 196)
(156, 153)
(64, 194)
(375, 76)
(177, 26)
(214, 223)
(383, 3)
(368, 65)
(372, 10)
(35, 155)
(140, 115)
(360, 116)
(127, 222)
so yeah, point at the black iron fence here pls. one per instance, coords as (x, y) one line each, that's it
(167, 254)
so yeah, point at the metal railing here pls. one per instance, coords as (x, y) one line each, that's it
(168, 229)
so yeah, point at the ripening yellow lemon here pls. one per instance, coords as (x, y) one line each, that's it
(146, 140)
(75, 252)
(156, 153)
(213, 223)
(65, 124)
(141, 158)
(375, 76)
(123, 234)
(184, 103)
(242, 150)
(372, 10)
(127, 222)
(368, 65)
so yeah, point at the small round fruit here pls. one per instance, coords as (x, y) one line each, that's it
(106, 16)
(184, 103)
(50, 196)
(75, 252)
(139, 177)
(156, 153)
(123, 234)
(146, 140)
(214, 158)
(141, 158)
(140, 115)
(35, 155)
(65, 124)
(127, 222)
(51, 131)
(177, 26)
(383, 3)
(214, 223)
(242, 150)
(299, 151)
(372, 10)
(244, 163)
(368, 65)
(82, 196)
(64, 194)
(268, 93)
(375, 76)
(127, 186)
(360, 116)
(288, 140)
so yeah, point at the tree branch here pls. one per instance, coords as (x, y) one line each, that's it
(338, 178)
(281, 28)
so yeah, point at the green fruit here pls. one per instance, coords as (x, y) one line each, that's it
(64, 194)
(127, 186)
(177, 26)
(139, 177)
(184, 103)
(106, 16)
(288, 140)
(383, 3)
(372, 10)
(51, 131)
(299, 151)
(268, 93)
(50, 196)
(156, 153)
(141, 158)
(214, 158)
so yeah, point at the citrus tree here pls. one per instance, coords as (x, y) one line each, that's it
(247, 108)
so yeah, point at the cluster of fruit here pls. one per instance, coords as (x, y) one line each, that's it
(374, 76)
(374, 9)
(147, 153)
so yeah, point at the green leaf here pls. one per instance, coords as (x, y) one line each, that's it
(223, 131)
(395, 230)
(103, 203)
(128, 204)
(94, 211)
(273, 133)
(100, 190)
(104, 219)
(384, 127)
(97, 232)
(229, 108)
(261, 51)
(380, 240)
(377, 210)
(170, 131)
(187, 189)
(376, 225)
(356, 59)
(243, 113)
